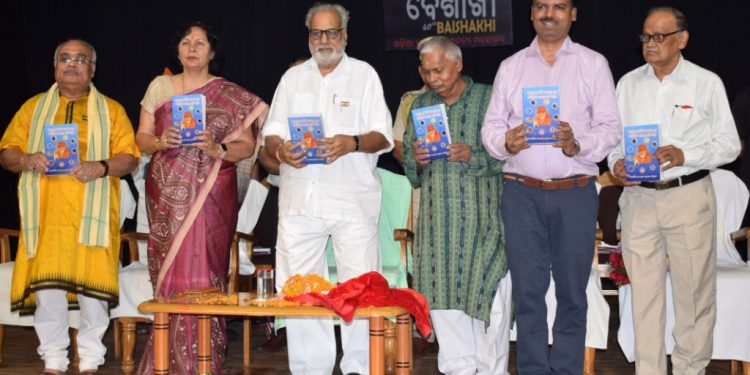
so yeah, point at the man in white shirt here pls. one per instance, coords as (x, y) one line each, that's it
(671, 223)
(340, 198)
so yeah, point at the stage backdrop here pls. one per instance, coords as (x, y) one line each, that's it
(468, 23)
(261, 37)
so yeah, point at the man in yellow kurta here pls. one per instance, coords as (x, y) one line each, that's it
(69, 247)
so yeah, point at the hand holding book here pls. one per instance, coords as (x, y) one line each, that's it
(619, 172)
(422, 155)
(205, 142)
(332, 148)
(36, 162)
(670, 156)
(459, 152)
(566, 140)
(291, 154)
(87, 171)
(515, 139)
(168, 139)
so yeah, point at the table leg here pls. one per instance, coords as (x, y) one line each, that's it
(403, 344)
(161, 343)
(127, 328)
(377, 333)
(246, 341)
(204, 344)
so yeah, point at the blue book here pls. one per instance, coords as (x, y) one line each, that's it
(641, 141)
(189, 116)
(307, 131)
(431, 128)
(541, 113)
(61, 148)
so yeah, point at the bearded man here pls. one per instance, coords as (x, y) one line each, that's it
(340, 199)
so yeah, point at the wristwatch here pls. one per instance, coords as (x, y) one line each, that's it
(224, 150)
(106, 167)
(576, 150)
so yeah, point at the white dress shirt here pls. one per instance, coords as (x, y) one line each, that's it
(691, 107)
(350, 101)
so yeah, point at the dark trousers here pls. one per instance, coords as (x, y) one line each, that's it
(549, 230)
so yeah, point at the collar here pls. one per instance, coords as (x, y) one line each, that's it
(343, 68)
(567, 48)
(679, 74)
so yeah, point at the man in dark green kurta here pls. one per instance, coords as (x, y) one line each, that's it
(459, 254)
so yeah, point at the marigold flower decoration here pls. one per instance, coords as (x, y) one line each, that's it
(619, 274)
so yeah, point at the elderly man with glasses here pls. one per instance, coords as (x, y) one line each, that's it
(69, 249)
(671, 222)
(338, 198)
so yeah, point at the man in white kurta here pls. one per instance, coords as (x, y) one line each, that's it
(340, 199)
(671, 223)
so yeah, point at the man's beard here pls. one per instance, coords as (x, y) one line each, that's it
(327, 58)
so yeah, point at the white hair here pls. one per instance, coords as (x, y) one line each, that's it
(85, 43)
(439, 43)
(340, 10)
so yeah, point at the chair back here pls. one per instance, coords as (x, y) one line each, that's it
(5, 235)
(731, 201)
(395, 208)
(131, 239)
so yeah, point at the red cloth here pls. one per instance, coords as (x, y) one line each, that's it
(369, 290)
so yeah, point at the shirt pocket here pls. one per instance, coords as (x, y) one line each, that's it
(344, 113)
(685, 117)
(302, 103)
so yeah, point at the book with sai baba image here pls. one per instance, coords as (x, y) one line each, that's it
(431, 128)
(541, 113)
(61, 148)
(307, 130)
(641, 141)
(189, 116)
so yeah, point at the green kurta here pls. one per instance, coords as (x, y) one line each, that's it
(459, 253)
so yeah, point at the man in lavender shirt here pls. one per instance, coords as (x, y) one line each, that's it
(549, 202)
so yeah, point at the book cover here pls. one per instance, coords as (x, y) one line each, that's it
(189, 116)
(641, 141)
(61, 148)
(307, 130)
(541, 113)
(431, 127)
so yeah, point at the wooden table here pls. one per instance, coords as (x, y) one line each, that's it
(162, 308)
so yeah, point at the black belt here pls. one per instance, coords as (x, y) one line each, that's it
(675, 182)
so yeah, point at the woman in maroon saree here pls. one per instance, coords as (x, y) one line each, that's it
(191, 191)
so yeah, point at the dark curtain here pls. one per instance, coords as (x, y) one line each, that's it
(261, 37)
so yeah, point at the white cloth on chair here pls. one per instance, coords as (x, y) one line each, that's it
(247, 218)
(135, 287)
(134, 280)
(731, 200)
(732, 330)
(597, 316)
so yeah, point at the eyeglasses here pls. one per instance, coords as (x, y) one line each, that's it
(330, 33)
(656, 37)
(78, 60)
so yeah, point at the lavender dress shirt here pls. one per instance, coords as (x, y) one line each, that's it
(587, 102)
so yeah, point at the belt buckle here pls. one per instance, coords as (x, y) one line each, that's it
(662, 185)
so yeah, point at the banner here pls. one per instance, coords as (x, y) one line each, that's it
(468, 23)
